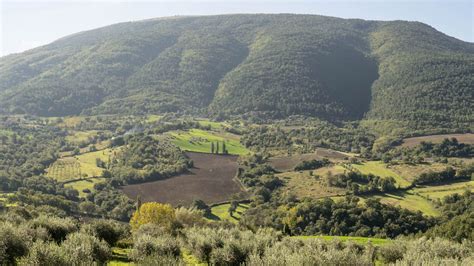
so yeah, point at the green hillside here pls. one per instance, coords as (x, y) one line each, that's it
(269, 66)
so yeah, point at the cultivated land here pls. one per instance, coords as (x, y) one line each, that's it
(79, 166)
(211, 180)
(287, 163)
(438, 192)
(197, 140)
(462, 138)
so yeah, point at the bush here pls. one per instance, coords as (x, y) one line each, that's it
(44, 253)
(58, 228)
(147, 245)
(161, 260)
(390, 253)
(13, 243)
(107, 230)
(83, 249)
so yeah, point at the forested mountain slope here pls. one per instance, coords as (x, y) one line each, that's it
(267, 65)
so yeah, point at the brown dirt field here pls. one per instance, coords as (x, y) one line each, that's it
(463, 138)
(286, 163)
(211, 180)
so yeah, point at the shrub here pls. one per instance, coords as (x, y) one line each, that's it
(83, 249)
(155, 213)
(13, 243)
(189, 217)
(44, 253)
(58, 228)
(107, 230)
(147, 245)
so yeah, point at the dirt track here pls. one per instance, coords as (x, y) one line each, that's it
(210, 180)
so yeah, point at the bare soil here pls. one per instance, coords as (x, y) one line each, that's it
(211, 180)
(467, 138)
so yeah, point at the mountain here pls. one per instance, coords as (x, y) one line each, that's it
(248, 65)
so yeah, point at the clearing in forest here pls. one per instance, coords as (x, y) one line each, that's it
(211, 180)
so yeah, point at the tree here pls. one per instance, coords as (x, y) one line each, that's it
(224, 150)
(154, 213)
(233, 207)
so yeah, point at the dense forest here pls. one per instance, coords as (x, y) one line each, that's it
(269, 66)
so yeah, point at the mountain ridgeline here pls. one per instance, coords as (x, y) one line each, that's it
(248, 65)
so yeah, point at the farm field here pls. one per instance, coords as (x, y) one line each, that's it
(214, 125)
(80, 185)
(408, 200)
(196, 140)
(303, 185)
(83, 165)
(380, 169)
(356, 239)
(462, 138)
(211, 180)
(287, 163)
(438, 192)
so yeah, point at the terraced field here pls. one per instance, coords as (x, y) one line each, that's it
(197, 140)
(438, 192)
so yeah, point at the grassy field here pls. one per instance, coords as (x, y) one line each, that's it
(80, 185)
(380, 169)
(214, 125)
(302, 184)
(438, 192)
(356, 239)
(77, 137)
(410, 201)
(409, 172)
(88, 161)
(221, 211)
(197, 140)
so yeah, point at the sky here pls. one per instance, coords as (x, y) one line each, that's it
(25, 24)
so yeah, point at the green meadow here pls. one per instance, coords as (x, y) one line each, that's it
(380, 169)
(198, 140)
(222, 212)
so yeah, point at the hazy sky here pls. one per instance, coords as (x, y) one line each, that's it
(27, 24)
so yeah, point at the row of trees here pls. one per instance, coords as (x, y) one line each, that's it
(215, 149)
